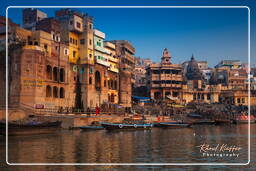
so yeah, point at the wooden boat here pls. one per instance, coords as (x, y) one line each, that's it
(172, 124)
(91, 127)
(125, 126)
(244, 119)
(194, 115)
(30, 128)
(222, 121)
(203, 122)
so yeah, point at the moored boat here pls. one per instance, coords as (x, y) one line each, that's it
(172, 124)
(203, 122)
(94, 126)
(91, 127)
(244, 119)
(30, 128)
(125, 126)
(222, 121)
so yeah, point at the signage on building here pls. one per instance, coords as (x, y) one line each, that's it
(39, 106)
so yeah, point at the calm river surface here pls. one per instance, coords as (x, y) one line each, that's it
(150, 146)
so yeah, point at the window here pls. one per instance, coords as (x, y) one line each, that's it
(70, 22)
(90, 80)
(55, 92)
(208, 96)
(55, 74)
(90, 26)
(90, 55)
(62, 92)
(90, 42)
(49, 72)
(62, 75)
(48, 91)
(78, 25)
(36, 43)
(53, 37)
(46, 47)
(66, 52)
(243, 100)
(75, 42)
(74, 54)
(238, 100)
(56, 47)
(82, 41)
(105, 83)
(70, 40)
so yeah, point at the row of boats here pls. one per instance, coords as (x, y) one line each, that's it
(135, 126)
(133, 123)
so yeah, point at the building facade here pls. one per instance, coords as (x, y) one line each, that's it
(164, 79)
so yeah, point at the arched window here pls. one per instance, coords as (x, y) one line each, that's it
(55, 92)
(97, 80)
(48, 91)
(62, 92)
(49, 72)
(115, 85)
(62, 75)
(112, 98)
(55, 74)
(90, 80)
(111, 84)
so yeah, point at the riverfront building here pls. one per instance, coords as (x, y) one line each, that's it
(63, 62)
(164, 78)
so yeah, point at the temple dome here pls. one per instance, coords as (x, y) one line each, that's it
(193, 71)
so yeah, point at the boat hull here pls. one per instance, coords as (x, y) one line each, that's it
(23, 129)
(203, 122)
(121, 126)
(91, 128)
(243, 121)
(172, 125)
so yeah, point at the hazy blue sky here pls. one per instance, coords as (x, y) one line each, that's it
(210, 34)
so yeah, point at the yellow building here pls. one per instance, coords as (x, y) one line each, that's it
(113, 71)
(73, 47)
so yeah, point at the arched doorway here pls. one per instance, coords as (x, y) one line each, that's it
(157, 95)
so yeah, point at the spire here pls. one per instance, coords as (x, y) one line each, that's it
(166, 53)
(192, 57)
(166, 58)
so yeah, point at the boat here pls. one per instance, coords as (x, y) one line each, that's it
(222, 121)
(30, 128)
(244, 119)
(194, 115)
(203, 122)
(93, 126)
(126, 126)
(172, 124)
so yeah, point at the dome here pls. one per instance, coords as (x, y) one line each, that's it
(193, 72)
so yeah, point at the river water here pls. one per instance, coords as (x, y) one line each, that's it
(148, 146)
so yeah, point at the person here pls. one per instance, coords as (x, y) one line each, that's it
(97, 110)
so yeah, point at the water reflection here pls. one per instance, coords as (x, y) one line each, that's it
(156, 145)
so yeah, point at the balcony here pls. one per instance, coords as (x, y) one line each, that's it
(33, 47)
(102, 62)
(113, 69)
(110, 58)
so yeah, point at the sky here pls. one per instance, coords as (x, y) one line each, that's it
(211, 34)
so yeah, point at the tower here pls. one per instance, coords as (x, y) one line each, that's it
(166, 58)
